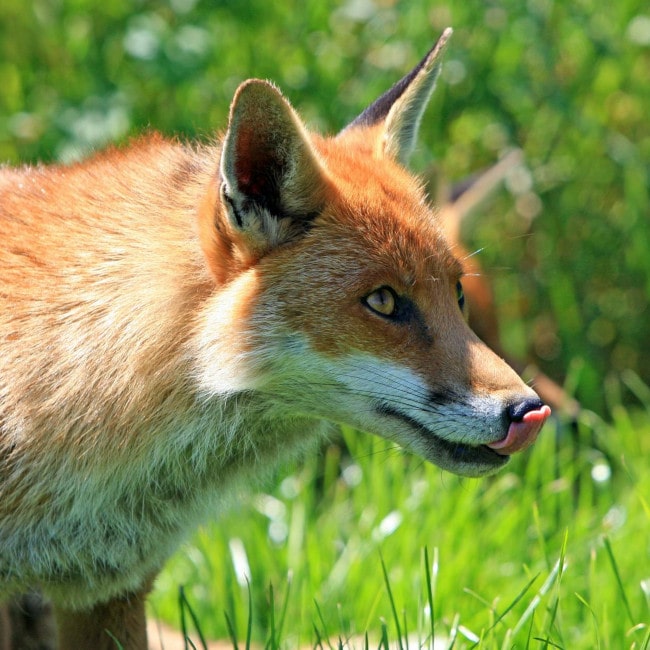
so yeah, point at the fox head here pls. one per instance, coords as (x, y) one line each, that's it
(339, 297)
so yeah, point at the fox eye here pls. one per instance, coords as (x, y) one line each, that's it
(383, 301)
(460, 295)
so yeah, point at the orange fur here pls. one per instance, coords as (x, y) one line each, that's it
(176, 319)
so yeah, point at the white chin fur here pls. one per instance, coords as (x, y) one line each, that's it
(353, 390)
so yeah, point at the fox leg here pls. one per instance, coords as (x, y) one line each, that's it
(5, 629)
(117, 623)
(27, 622)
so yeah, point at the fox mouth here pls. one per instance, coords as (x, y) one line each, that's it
(475, 459)
(457, 453)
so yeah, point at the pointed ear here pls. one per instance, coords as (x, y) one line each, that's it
(400, 109)
(272, 182)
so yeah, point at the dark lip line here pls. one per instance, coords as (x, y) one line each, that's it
(477, 453)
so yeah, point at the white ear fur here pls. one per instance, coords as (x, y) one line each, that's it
(400, 109)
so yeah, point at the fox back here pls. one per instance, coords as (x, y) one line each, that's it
(175, 319)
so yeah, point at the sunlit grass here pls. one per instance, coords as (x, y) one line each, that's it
(373, 546)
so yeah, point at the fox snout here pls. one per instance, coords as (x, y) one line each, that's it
(468, 435)
(489, 416)
(526, 420)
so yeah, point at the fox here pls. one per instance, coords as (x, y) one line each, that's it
(178, 318)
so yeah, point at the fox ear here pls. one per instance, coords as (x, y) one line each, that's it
(272, 182)
(399, 110)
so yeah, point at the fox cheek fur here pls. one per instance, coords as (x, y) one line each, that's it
(175, 319)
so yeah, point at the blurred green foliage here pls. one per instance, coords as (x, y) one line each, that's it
(567, 243)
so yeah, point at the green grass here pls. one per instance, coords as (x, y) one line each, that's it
(377, 546)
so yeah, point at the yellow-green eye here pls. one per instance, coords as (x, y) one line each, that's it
(383, 301)
(460, 295)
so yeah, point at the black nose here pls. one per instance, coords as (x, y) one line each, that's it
(517, 410)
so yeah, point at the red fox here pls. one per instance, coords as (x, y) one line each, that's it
(175, 319)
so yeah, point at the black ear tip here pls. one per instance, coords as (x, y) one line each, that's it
(380, 108)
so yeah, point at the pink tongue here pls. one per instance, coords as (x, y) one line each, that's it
(521, 434)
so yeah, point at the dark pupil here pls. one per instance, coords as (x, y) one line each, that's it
(460, 295)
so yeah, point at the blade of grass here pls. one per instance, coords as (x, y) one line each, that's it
(637, 386)
(392, 602)
(530, 631)
(483, 601)
(372, 609)
(231, 632)
(383, 643)
(547, 642)
(593, 616)
(406, 631)
(285, 605)
(556, 603)
(319, 641)
(519, 596)
(339, 612)
(432, 619)
(453, 632)
(185, 606)
(322, 622)
(469, 634)
(646, 641)
(500, 617)
(271, 644)
(619, 581)
(534, 603)
(249, 624)
(181, 607)
(118, 645)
